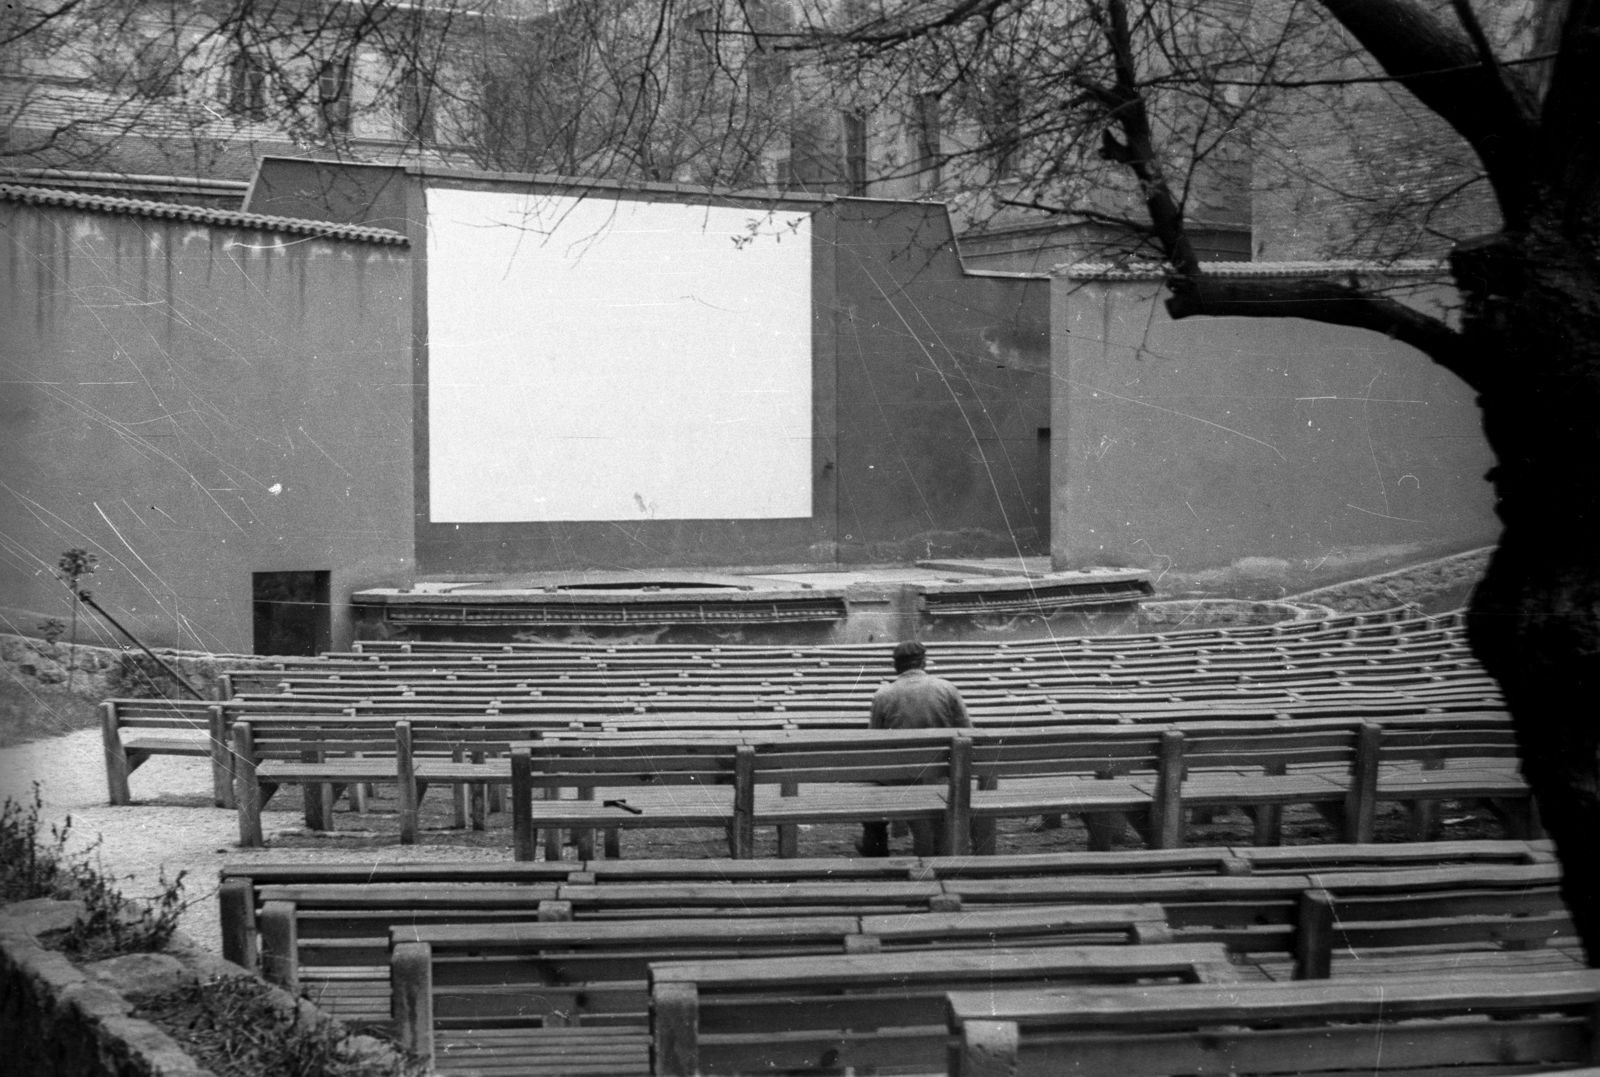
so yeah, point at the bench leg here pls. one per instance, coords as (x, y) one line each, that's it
(357, 792)
(1104, 829)
(497, 797)
(985, 836)
(478, 806)
(677, 1029)
(1422, 820)
(221, 763)
(318, 796)
(613, 843)
(1268, 820)
(247, 788)
(584, 839)
(523, 837)
(280, 945)
(1269, 817)
(117, 768)
(319, 805)
(458, 795)
(552, 835)
(411, 999)
(236, 903)
(788, 833)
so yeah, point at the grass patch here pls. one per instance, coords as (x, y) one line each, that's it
(32, 711)
(237, 1028)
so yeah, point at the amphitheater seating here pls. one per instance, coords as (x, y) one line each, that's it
(460, 993)
(323, 927)
(242, 884)
(1479, 1025)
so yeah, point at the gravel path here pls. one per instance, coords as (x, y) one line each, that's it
(171, 826)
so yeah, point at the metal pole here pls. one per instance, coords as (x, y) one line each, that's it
(92, 604)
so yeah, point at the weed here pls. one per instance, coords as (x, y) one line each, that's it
(32, 866)
(29, 867)
(235, 1029)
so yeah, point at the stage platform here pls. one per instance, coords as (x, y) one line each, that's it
(987, 599)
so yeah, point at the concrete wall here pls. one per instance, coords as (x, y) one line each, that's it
(929, 391)
(1214, 441)
(194, 403)
(943, 393)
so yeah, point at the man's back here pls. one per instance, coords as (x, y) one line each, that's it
(918, 700)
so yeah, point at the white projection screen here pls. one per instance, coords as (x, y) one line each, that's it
(597, 359)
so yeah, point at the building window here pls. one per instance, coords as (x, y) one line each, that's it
(292, 613)
(416, 106)
(333, 96)
(1005, 125)
(855, 153)
(247, 86)
(927, 148)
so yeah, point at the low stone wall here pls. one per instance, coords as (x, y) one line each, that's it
(1433, 587)
(58, 1019)
(99, 672)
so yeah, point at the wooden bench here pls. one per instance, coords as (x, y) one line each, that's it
(708, 782)
(456, 989)
(1481, 1025)
(133, 730)
(878, 1012)
(1264, 914)
(332, 919)
(1430, 930)
(241, 884)
(1149, 773)
(321, 753)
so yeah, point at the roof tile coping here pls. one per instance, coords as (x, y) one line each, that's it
(1156, 271)
(135, 207)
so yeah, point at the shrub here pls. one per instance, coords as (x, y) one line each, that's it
(234, 1028)
(138, 676)
(34, 867)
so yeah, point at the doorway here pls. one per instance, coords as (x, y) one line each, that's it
(292, 613)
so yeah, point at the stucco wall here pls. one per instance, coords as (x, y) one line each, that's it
(943, 393)
(1211, 441)
(929, 390)
(194, 403)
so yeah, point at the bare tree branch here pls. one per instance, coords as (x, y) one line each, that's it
(1332, 302)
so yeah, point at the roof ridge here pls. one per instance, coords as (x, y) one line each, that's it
(139, 207)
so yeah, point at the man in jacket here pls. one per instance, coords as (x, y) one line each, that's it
(913, 700)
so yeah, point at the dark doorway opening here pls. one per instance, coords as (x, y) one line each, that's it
(292, 613)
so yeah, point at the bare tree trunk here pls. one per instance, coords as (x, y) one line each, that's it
(1533, 306)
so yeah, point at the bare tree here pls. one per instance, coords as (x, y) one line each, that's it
(1156, 85)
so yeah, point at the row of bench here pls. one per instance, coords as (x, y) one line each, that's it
(511, 964)
(135, 730)
(1395, 623)
(740, 781)
(1445, 645)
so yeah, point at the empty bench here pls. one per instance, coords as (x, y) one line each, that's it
(1483, 1025)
